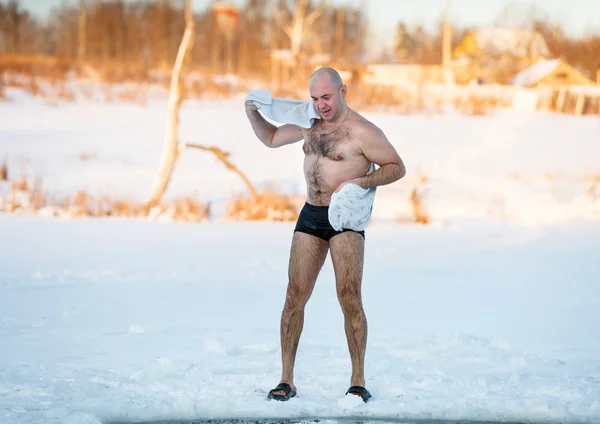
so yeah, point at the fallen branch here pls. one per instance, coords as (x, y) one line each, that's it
(222, 156)
(260, 206)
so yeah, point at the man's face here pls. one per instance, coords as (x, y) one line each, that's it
(327, 98)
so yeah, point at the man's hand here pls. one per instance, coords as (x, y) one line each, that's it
(354, 181)
(250, 106)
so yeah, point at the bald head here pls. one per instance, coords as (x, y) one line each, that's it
(328, 74)
(328, 93)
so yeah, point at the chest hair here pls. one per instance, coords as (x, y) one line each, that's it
(327, 144)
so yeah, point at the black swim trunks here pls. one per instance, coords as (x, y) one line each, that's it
(314, 220)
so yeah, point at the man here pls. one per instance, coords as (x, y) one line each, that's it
(339, 148)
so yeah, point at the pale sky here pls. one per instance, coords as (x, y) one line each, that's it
(578, 16)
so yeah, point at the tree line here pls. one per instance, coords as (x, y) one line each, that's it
(416, 45)
(148, 33)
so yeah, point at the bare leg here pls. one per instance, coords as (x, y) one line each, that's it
(307, 255)
(347, 255)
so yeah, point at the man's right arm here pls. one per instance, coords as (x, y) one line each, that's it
(269, 134)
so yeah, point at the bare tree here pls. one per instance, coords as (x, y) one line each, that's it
(252, 36)
(520, 14)
(404, 45)
(298, 26)
(82, 30)
(171, 148)
(17, 28)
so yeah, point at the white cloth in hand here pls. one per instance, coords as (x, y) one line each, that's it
(352, 206)
(282, 110)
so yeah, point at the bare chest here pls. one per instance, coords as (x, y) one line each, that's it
(335, 145)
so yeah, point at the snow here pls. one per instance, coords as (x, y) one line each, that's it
(489, 314)
(138, 320)
(536, 72)
(589, 90)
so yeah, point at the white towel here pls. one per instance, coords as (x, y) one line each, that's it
(284, 111)
(351, 207)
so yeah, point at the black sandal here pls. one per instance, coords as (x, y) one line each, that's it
(361, 391)
(289, 393)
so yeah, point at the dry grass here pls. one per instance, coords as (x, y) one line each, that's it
(123, 72)
(35, 65)
(47, 77)
(430, 100)
(266, 206)
(418, 213)
(22, 184)
(132, 95)
(513, 176)
(476, 105)
(51, 90)
(374, 96)
(87, 156)
(26, 83)
(61, 92)
(193, 89)
(114, 82)
(28, 197)
(4, 170)
(594, 182)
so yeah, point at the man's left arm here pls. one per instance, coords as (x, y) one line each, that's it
(377, 148)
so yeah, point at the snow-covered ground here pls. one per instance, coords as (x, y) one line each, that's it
(138, 320)
(491, 314)
(525, 168)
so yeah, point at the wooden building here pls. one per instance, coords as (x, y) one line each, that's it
(550, 72)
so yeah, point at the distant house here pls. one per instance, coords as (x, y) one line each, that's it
(550, 72)
(493, 53)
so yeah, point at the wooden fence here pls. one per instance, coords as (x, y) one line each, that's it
(577, 100)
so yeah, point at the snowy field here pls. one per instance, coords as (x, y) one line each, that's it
(490, 314)
(523, 168)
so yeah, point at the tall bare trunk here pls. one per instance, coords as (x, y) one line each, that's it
(339, 32)
(170, 149)
(447, 45)
(82, 30)
(299, 29)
